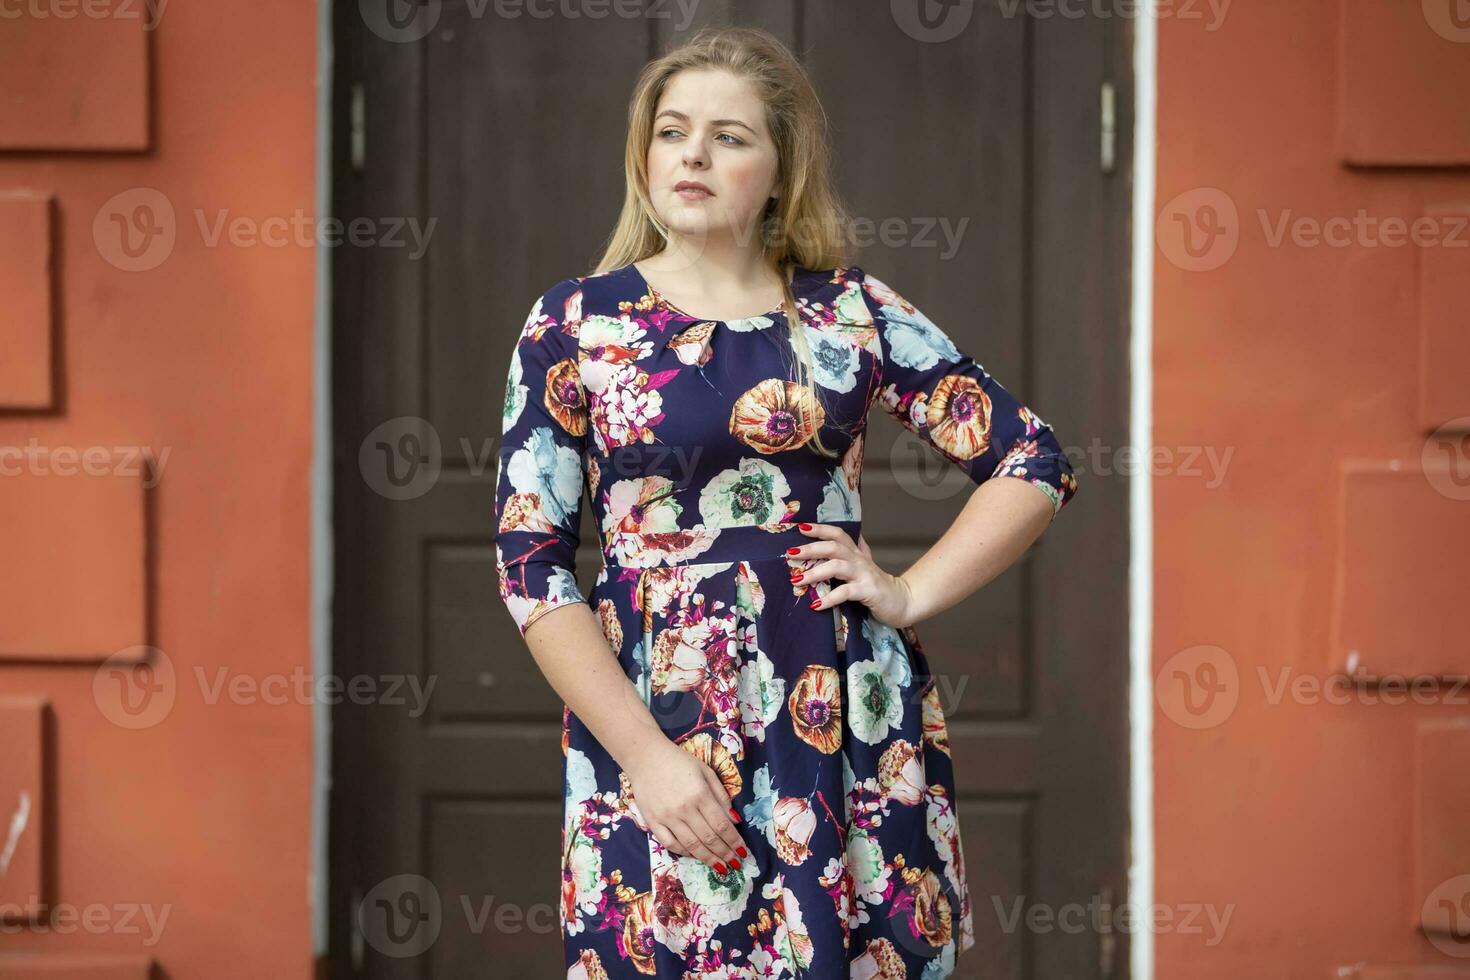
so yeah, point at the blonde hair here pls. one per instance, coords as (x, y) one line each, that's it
(803, 225)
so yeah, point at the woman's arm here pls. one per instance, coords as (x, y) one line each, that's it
(952, 404)
(574, 655)
(1002, 518)
(679, 797)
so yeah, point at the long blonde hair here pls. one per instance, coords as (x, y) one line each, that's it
(803, 226)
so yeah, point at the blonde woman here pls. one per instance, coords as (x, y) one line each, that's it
(757, 772)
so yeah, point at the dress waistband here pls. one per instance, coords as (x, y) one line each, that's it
(700, 545)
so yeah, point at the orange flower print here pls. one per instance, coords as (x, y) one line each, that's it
(566, 400)
(901, 773)
(936, 732)
(692, 345)
(816, 708)
(775, 416)
(588, 967)
(672, 909)
(932, 913)
(522, 511)
(880, 961)
(612, 628)
(638, 932)
(704, 748)
(794, 824)
(958, 416)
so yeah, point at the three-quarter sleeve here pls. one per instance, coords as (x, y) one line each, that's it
(947, 399)
(540, 466)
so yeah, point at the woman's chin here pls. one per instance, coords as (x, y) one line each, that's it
(689, 221)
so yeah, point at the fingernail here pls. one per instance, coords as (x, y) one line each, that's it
(806, 527)
(736, 817)
(720, 867)
(741, 850)
(797, 576)
(816, 603)
(792, 551)
(735, 863)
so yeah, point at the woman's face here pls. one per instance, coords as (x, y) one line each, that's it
(710, 128)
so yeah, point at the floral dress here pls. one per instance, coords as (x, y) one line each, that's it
(824, 726)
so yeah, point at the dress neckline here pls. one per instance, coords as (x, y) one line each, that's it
(659, 297)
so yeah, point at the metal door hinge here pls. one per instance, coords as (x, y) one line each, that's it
(357, 141)
(1107, 943)
(354, 912)
(1108, 151)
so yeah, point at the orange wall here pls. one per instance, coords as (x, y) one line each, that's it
(1317, 827)
(203, 813)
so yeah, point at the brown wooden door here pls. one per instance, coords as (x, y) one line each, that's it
(971, 158)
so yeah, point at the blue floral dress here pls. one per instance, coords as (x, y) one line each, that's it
(824, 726)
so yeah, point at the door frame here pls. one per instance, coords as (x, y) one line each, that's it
(1124, 306)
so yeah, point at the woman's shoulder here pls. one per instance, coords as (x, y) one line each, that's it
(570, 300)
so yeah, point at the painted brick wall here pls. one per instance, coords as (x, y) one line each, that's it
(1312, 268)
(155, 443)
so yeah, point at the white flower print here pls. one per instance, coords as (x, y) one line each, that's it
(723, 896)
(875, 703)
(889, 650)
(762, 692)
(581, 778)
(839, 501)
(755, 493)
(747, 324)
(791, 936)
(606, 343)
(551, 471)
(625, 408)
(914, 341)
(850, 307)
(834, 360)
(515, 392)
(865, 862)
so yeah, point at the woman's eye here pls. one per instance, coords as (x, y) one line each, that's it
(672, 133)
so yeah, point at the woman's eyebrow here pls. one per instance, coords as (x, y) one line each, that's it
(714, 122)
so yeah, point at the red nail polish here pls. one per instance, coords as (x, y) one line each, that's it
(792, 551)
(797, 576)
(735, 863)
(816, 602)
(736, 817)
(806, 527)
(741, 851)
(720, 867)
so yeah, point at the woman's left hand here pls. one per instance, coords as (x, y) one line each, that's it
(836, 556)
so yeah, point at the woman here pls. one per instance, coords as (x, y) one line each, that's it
(757, 773)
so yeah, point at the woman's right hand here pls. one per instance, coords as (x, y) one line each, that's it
(686, 807)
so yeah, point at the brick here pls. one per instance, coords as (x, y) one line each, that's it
(26, 282)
